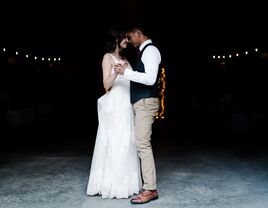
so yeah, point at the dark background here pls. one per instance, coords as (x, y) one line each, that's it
(208, 100)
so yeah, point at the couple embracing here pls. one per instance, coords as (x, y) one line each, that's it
(123, 164)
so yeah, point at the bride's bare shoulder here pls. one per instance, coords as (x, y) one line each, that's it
(107, 57)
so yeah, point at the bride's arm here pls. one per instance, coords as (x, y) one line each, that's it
(108, 76)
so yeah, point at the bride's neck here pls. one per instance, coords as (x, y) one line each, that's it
(117, 55)
(117, 52)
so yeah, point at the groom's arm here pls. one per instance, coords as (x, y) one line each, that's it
(151, 59)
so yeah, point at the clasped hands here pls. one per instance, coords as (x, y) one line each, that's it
(120, 67)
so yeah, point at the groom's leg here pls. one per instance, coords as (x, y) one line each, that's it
(145, 111)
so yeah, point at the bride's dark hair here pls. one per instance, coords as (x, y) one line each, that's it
(114, 36)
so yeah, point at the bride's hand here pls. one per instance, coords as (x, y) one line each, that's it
(123, 63)
(120, 68)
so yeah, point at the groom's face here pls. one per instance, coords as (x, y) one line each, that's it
(134, 38)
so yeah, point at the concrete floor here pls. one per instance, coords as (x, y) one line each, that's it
(189, 176)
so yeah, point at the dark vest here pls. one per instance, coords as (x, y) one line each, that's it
(139, 91)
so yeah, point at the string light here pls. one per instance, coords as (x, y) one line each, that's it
(231, 55)
(29, 56)
(161, 112)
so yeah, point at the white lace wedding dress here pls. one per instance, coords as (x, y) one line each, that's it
(115, 166)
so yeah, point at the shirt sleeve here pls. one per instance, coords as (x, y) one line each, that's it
(151, 59)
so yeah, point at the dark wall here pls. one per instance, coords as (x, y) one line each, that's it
(202, 97)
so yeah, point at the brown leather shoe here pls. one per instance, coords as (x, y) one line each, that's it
(145, 196)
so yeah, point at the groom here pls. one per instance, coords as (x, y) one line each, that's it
(144, 97)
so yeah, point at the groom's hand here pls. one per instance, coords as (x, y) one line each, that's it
(120, 68)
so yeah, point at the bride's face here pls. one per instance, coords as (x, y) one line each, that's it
(124, 42)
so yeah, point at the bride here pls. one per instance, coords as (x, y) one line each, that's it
(115, 166)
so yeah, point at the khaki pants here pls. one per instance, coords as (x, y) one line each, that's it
(145, 111)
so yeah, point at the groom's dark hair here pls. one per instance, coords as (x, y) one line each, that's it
(145, 29)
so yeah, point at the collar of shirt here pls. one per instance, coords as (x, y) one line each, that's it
(144, 44)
